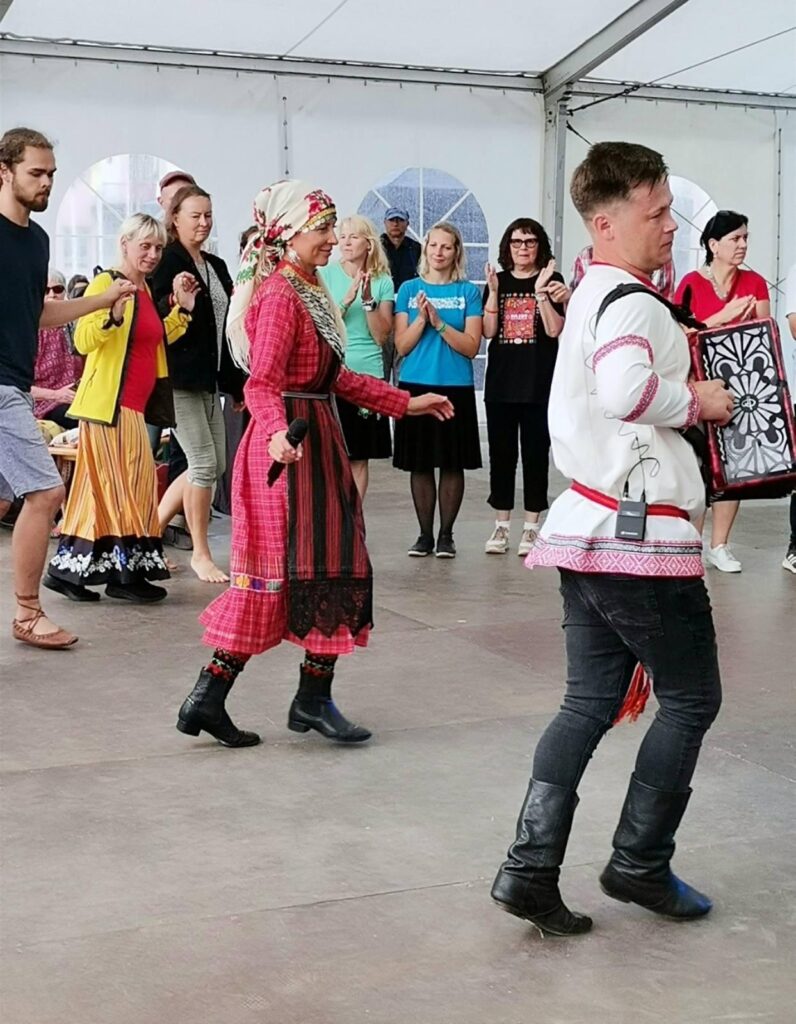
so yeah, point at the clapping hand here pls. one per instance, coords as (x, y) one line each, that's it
(490, 275)
(185, 288)
(428, 310)
(543, 280)
(558, 292)
(742, 308)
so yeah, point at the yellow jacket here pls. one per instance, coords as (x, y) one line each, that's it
(107, 348)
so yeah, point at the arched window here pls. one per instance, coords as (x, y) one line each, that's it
(430, 195)
(96, 204)
(692, 209)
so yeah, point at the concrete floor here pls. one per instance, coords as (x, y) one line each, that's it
(148, 877)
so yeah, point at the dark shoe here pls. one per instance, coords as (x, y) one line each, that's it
(527, 883)
(203, 708)
(423, 546)
(445, 546)
(71, 590)
(176, 537)
(136, 593)
(323, 716)
(639, 871)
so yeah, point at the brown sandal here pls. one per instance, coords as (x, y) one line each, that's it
(58, 640)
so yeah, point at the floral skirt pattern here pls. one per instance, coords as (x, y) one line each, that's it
(110, 532)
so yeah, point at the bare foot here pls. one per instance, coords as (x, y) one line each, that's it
(207, 570)
(171, 565)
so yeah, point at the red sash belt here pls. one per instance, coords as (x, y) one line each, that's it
(608, 502)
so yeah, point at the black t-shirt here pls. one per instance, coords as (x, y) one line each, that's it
(403, 259)
(521, 356)
(24, 255)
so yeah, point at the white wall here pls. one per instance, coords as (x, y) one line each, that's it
(227, 130)
(731, 152)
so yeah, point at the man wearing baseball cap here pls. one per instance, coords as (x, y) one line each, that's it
(403, 253)
(170, 185)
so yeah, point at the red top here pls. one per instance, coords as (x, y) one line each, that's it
(141, 360)
(56, 367)
(704, 300)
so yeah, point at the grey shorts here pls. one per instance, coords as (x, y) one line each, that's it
(25, 464)
(200, 431)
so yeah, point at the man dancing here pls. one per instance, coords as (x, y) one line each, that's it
(623, 540)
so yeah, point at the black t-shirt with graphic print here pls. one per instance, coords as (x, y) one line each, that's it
(522, 356)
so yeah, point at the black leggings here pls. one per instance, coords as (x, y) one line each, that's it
(511, 426)
(425, 494)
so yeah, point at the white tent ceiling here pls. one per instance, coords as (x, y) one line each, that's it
(474, 35)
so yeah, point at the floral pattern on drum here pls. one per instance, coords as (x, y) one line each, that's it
(757, 442)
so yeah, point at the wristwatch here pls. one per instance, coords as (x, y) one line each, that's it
(370, 305)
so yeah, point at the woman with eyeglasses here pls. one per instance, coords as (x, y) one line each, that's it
(57, 369)
(722, 292)
(523, 317)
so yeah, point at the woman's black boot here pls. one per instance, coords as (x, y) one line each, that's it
(203, 708)
(639, 872)
(313, 708)
(527, 883)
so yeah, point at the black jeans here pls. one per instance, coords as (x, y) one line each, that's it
(511, 426)
(610, 624)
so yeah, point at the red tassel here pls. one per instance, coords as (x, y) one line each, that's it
(636, 697)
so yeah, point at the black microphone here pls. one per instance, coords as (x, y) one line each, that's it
(296, 433)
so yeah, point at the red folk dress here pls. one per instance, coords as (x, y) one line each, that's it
(299, 569)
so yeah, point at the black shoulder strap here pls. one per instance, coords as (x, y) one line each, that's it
(682, 314)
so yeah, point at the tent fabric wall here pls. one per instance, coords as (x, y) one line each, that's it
(227, 129)
(731, 152)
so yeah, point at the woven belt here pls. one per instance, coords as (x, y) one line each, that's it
(608, 502)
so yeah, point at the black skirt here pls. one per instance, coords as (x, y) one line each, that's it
(423, 443)
(366, 437)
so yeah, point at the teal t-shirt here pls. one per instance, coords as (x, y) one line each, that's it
(432, 361)
(362, 353)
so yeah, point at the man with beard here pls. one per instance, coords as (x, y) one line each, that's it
(27, 170)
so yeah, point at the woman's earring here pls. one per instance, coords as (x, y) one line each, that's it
(293, 256)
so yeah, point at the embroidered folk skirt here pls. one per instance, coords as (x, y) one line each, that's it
(110, 532)
(299, 569)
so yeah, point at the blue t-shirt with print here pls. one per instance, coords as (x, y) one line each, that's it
(432, 361)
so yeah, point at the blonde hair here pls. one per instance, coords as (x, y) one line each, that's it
(376, 264)
(141, 225)
(458, 271)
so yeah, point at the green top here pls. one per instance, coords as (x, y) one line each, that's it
(362, 354)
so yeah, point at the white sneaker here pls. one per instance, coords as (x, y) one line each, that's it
(498, 543)
(527, 541)
(722, 558)
(789, 561)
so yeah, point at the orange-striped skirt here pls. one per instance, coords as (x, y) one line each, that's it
(110, 532)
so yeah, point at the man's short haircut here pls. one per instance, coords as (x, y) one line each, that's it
(13, 143)
(611, 171)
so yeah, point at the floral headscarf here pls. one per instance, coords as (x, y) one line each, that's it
(281, 211)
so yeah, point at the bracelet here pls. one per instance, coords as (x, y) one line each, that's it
(370, 307)
(541, 298)
(442, 327)
(184, 311)
(344, 308)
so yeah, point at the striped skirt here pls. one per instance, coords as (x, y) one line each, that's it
(110, 532)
